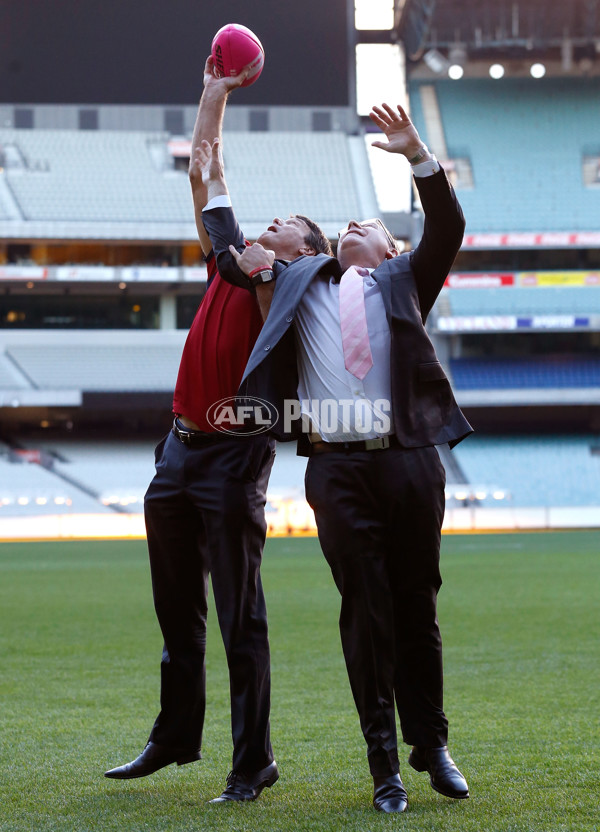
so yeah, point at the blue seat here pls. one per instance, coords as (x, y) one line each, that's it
(534, 471)
(524, 373)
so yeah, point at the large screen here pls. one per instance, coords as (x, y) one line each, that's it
(153, 51)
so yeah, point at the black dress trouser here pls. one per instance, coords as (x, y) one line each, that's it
(379, 516)
(204, 513)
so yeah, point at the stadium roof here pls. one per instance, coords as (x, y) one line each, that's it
(506, 28)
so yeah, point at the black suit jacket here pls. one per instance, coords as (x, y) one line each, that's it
(424, 409)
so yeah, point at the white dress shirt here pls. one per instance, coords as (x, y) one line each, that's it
(341, 407)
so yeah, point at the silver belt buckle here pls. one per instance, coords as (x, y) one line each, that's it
(182, 435)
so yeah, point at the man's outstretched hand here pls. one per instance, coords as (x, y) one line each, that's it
(208, 159)
(401, 133)
(225, 84)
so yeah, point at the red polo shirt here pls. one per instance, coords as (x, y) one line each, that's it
(217, 348)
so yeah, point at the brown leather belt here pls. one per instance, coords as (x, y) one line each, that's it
(319, 446)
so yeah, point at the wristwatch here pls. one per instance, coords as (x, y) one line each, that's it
(265, 275)
(419, 156)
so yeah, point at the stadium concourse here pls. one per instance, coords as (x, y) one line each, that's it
(101, 271)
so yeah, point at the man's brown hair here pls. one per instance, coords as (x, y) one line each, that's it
(316, 239)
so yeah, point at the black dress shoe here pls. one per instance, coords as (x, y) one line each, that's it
(444, 775)
(241, 786)
(151, 759)
(389, 794)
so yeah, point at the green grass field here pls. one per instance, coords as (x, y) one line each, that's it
(79, 672)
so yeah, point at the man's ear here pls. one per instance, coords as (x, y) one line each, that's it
(390, 253)
(307, 250)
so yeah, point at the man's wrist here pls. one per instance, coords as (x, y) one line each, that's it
(218, 201)
(216, 187)
(260, 275)
(427, 167)
(417, 156)
(214, 89)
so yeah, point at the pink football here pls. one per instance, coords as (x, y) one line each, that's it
(234, 47)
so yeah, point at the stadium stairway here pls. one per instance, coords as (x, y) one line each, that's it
(30, 486)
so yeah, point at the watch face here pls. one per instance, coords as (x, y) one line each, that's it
(266, 276)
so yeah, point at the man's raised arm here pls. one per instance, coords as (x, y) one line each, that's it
(444, 221)
(209, 124)
(217, 216)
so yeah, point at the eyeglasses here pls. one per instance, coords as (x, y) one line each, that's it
(373, 223)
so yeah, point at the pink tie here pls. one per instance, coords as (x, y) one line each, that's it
(353, 319)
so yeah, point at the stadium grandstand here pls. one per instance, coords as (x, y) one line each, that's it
(101, 270)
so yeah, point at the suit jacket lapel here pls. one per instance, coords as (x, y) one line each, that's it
(292, 282)
(382, 276)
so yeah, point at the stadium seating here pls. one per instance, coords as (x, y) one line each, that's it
(120, 176)
(520, 373)
(99, 368)
(308, 173)
(525, 154)
(535, 471)
(561, 300)
(90, 360)
(88, 476)
(118, 471)
(80, 175)
(28, 489)
(514, 471)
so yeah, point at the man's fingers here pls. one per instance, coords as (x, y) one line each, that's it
(216, 150)
(235, 253)
(378, 120)
(203, 150)
(234, 81)
(382, 145)
(244, 72)
(388, 119)
(201, 154)
(379, 113)
(383, 116)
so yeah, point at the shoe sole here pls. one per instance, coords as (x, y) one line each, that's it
(266, 784)
(270, 782)
(148, 773)
(453, 796)
(395, 812)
